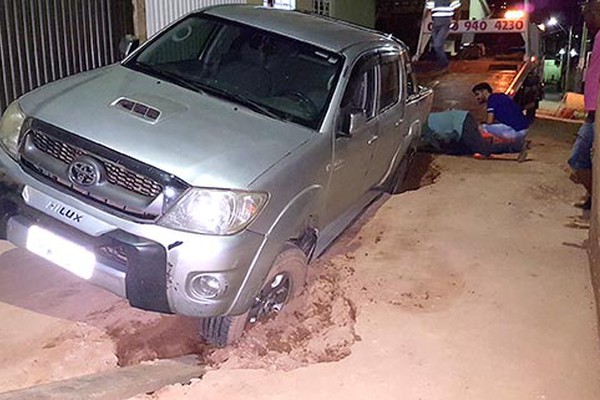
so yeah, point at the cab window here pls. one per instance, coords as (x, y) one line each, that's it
(360, 91)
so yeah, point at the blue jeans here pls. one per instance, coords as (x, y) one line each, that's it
(581, 153)
(504, 131)
(439, 34)
(514, 140)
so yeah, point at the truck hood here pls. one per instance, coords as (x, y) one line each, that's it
(206, 141)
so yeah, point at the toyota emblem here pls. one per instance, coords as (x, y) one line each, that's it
(84, 171)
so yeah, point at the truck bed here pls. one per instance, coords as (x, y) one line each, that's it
(453, 89)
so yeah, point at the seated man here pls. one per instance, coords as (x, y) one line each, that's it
(505, 125)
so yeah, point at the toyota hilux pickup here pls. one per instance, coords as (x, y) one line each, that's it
(201, 174)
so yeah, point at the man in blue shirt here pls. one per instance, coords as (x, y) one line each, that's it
(505, 120)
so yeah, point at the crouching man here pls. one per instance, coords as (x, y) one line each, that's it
(505, 126)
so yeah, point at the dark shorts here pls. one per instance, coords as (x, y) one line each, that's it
(581, 153)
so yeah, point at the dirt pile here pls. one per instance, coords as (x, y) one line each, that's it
(316, 327)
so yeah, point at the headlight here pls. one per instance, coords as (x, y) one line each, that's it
(10, 128)
(215, 212)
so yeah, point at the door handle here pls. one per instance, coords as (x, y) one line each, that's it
(373, 140)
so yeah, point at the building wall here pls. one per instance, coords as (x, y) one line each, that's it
(361, 12)
(160, 13)
(153, 15)
(139, 19)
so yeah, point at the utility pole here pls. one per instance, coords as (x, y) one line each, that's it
(527, 38)
(568, 55)
(583, 49)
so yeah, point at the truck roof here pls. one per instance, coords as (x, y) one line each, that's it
(332, 34)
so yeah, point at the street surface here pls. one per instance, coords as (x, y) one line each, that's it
(474, 287)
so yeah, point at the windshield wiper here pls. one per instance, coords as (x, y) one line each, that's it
(243, 100)
(168, 76)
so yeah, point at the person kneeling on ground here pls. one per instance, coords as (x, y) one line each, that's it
(505, 126)
(453, 132)
(457, 132)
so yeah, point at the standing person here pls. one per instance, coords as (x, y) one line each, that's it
(442, 13)
(580, 160)
(505, 121)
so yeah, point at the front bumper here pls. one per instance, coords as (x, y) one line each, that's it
(149, 265)
(126, 265)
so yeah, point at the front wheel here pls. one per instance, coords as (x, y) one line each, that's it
(285, 281)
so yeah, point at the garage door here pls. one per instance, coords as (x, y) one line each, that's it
(45, 40)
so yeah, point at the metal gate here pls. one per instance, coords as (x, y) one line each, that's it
(45, 40)
(160, 13)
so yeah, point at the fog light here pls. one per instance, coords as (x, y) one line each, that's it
(206, 287)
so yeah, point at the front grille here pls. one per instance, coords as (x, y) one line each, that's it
(122, 185)
(55, 148)
(115, 174)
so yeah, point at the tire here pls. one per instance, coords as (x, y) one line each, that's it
(224, 330)
(398, 178)
(289, 268)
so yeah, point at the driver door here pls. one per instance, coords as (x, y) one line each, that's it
(355, 141)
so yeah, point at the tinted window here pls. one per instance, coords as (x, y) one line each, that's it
(412, 87)
(360, 90)
(390, 82)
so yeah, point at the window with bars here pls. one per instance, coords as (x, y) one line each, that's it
(321, 7)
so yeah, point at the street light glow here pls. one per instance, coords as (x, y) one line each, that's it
(552, 21)
(514, 14)
(542, 27)
(574, 53)
(562, 52)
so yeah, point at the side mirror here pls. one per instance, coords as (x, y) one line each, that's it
(350, 121)
(128, 44)
(357, 120)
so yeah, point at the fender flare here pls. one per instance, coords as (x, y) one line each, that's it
(291, 225)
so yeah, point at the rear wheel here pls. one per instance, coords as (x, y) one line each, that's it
(285, 281)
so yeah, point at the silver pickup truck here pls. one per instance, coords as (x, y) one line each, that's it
(200, 175)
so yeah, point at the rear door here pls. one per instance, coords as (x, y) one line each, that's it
(418, 104)
(390, 109)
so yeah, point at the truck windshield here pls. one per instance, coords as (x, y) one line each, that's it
(268, 73)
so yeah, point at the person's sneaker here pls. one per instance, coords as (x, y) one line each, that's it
(586, 205)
